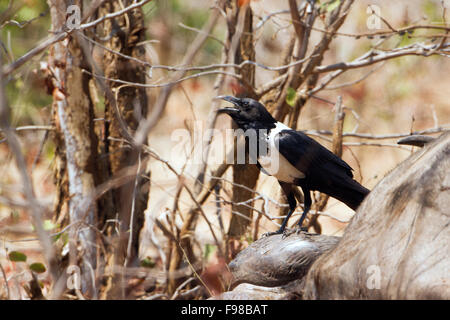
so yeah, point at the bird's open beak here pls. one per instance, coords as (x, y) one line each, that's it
(229, 110)
(231, 99)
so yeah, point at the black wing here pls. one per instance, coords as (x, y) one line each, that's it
(308, 155)
(323, 170)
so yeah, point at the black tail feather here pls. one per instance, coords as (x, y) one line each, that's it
(348, 191)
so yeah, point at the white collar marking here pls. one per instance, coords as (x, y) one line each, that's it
(274, 163)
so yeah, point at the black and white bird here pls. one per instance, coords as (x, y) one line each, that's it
(295, 159)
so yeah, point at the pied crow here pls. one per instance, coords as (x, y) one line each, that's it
(300, 160)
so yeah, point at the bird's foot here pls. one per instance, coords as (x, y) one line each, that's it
(284, 232)
(300, 229)
(268, 234)
(288, 232)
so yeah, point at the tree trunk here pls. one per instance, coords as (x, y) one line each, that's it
(82, 162)
(244, 174)
(76, 147)
(129, 200)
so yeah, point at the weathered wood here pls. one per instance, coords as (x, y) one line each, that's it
(416, 140)
(243, 174)
(76, 154)
(129, 200)
(277, 260)
(246, 291)
(396, 246)
(132, 103)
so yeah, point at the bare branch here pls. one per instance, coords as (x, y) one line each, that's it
(378, 56)
(166, 84)
(33, 205)
(64, 34)
(439, 129)
(201, 31)
(146, 126)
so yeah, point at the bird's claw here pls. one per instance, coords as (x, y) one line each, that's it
(286, 233)
(300, 229)
(268, 234)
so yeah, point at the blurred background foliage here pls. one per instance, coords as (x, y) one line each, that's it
(406, 94)
(401, 90)
(24, 23)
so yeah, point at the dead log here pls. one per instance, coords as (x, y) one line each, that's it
(396, 246)
(246, 291)
(277, 260)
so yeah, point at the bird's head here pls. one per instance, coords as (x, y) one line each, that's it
(247, 111)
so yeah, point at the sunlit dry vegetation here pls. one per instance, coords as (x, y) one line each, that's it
(94, 173)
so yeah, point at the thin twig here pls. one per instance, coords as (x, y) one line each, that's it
(201, 31)
(191, 194)
(378, 56)
(439, 129)
(64, 34)
(338, 127)
(33, 204)
(147, 125)
(180, 287)
(8, 294)
(133, 205)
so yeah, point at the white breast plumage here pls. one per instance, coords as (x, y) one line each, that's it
(274, 163)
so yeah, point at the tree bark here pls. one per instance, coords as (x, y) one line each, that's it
(76, 147)
(244, 174)
(129, 200)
